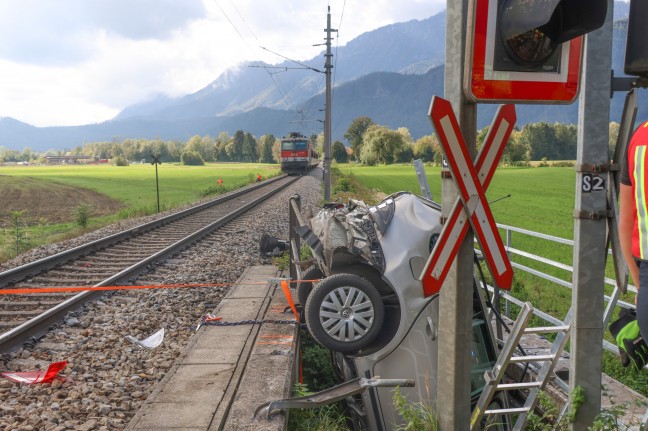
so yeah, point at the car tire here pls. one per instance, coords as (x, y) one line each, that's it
(344, 313)
(304, 288)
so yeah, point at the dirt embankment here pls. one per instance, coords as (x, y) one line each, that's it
(50, 202)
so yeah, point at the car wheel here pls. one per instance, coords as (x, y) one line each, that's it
(304, 288)
(344, 313)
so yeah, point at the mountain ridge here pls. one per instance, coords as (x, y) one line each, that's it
(388, 74)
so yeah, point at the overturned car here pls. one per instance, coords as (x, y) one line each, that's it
(368, 307)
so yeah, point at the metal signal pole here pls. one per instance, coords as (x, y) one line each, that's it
(327, 115)
(156, 161)
(455, 324)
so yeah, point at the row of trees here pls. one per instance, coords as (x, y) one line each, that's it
(374, 144)
(369, 143)
(242, 147)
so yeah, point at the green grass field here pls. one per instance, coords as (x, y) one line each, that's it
(542, 200)
(133, 186)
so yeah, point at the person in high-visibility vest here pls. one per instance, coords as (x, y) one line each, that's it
(633, 236)
(258, 177)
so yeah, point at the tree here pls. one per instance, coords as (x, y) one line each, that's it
(202, 146)
(338, 152)
(249, 151)
(424, 148)
(566, 141)
(175, 150)
(551, 141)
(276, 150)
(235, 150)
(540, 137)
(318, 144)
(355, 134)
(381, 145)
(514, 151)
(265, 153)
(220, 150)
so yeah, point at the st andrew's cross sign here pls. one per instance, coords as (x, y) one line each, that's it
(471, 205)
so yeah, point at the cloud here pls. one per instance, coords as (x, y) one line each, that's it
(65, 32)
(71, 62)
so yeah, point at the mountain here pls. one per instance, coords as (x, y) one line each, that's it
(389, 74)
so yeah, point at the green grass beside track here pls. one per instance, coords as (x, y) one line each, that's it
(134, 186)
(542, 200)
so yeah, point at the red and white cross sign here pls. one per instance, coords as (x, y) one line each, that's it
(471, 205)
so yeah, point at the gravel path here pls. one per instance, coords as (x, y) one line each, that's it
(107, 377)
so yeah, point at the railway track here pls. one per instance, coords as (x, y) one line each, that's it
(111, 261)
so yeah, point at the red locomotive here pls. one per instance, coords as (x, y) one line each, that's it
(297, 154)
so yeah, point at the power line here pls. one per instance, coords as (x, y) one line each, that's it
(294, 61)
(243, 19)
(232, 24)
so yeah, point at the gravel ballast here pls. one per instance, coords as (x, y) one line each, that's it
(108, 377)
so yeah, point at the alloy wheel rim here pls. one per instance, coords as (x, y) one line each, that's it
(346, 314)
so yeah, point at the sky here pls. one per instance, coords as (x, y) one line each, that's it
(74, 62)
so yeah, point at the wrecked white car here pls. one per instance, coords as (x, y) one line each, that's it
(368, 307)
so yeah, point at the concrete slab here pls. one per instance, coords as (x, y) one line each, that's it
(234, 310)
(197, 383)
(160, 416)
(251, 291)
(228, 371)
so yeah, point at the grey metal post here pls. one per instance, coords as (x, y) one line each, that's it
(422, 179)
(327, 116)
(590, 231)
(294, 209)
(455, 316)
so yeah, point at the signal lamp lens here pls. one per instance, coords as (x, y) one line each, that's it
(530, 49)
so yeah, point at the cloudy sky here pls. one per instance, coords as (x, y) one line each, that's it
(72, 62)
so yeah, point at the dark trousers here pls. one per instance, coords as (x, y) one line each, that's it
(642, 299)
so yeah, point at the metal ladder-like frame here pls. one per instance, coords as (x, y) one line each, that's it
(494, 376)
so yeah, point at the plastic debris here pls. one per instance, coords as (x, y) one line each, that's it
(206, 319)
(151, 342)
(31, 377)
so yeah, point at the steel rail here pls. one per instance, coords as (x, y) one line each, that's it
(38, 325)
(12, 276)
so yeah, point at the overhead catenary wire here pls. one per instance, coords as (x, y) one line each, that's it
(231, 23)
(337, 42)
(283, 93)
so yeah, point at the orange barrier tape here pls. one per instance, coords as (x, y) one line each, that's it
(84, 288)
(288, 295)
(27, 291)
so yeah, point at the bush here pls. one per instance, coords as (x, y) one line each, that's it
(417, 416)
(563, 164)
(191, 158)
(82, 215)
(343, 185)
(120, 161)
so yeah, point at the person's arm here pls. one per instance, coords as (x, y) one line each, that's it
(626, 225)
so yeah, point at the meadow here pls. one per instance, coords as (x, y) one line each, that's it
(541, 200)
(48, 197)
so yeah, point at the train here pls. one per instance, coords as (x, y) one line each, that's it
(298, 155)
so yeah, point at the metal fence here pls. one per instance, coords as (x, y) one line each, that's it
(612, 300)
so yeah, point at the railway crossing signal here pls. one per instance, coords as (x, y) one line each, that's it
(528, 51)
(636, 55)
(471, 205)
